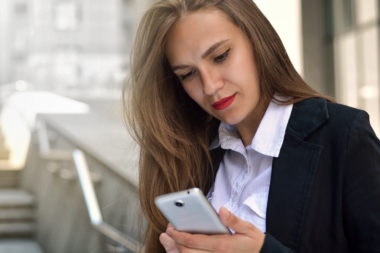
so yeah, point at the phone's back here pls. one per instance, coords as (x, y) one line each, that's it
(190, 211)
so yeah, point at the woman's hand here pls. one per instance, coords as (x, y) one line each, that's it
(247, 238)
(167, 242)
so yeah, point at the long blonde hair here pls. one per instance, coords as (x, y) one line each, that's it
(173, 131)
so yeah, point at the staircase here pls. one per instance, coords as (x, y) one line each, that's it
(8, 178)
(17, 222)
(16, 214)
(17, 218)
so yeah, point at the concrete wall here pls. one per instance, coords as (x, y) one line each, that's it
(318, 46)
(63, 221)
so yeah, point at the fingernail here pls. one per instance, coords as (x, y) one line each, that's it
(169, 231)
(225, 213)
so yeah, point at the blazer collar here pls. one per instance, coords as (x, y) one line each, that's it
(293, 172)
(307, 116)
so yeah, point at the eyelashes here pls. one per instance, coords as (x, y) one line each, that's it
(222, 57)
(218, 59)
(190, 73)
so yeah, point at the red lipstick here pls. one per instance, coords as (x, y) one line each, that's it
(223, 103)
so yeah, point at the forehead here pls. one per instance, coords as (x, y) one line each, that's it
(196, 32)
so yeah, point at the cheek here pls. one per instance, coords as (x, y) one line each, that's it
(193, 91)
(248, 67)
(238, 69)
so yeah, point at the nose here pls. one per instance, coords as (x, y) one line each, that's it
(212, 81)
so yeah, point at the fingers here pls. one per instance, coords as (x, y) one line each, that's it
(172, 247)
(242, 227)
(203, 243)
(247, 238)
(236, 224)
(168, 243)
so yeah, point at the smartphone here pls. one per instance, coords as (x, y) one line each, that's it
(189, 211)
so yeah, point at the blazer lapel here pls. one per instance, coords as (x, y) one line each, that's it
(293, 172)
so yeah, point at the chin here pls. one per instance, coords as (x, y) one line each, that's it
(231, 120)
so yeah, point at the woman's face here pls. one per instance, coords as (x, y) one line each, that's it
(214, 61)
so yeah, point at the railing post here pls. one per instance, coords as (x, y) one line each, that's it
(93, 205)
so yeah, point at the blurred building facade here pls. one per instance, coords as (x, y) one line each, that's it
(341, 51)
(82, 46)
(64, 45)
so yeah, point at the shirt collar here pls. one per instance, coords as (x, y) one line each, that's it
(269, 135)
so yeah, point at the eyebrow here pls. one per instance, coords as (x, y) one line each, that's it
(204, 55)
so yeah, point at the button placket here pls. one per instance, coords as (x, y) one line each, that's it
(239, 184)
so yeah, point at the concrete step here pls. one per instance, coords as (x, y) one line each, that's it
(15, 198)
(16, 214)
(20, 246)
(16, 229)
(9, 172)
(9, 178)
(8, 182)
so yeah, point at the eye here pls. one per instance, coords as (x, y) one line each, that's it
(223, 56)
(188, 74)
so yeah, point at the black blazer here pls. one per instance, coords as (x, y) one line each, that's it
(324, 193)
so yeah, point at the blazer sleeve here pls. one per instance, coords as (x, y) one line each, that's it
(360, 165)
(361, 186)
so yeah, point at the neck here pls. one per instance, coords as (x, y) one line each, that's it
(247, 128)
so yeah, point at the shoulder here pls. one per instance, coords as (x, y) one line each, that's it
(350, 123)
(345, 114)
(335, 112)
(331, 108)
(353, 121)
(314, 114)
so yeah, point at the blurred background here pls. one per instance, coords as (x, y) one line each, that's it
(62, 67)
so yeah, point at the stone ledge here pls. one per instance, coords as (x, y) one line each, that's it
(16, 214)
(15, 197)
(19, 246)
(17, 229)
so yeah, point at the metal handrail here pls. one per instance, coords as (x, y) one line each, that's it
(93, 206)
(86, 179)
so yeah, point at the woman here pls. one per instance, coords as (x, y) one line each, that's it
(215, 103)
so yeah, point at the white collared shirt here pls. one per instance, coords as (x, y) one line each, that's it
(243, 178)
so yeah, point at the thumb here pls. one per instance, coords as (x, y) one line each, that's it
(168, 243)
(238, 225)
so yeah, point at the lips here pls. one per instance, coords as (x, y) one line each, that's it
(224, 102)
